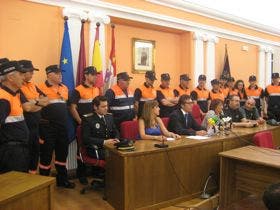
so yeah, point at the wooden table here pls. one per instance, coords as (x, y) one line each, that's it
(151, 178)
(26, 191)
(247, 170)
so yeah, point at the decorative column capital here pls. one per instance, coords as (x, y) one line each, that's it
(199, 36)
(74, 13)
(212, 38)
(266, 49)
(98, 17)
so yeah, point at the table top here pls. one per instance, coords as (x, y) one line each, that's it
(15, 184)
(146, 146)
(253, 154)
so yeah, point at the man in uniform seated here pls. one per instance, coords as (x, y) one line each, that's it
(98, 128)
(234, 111)
(251, 112)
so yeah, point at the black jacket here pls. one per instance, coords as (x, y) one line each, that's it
(177, 124)
(95, 131)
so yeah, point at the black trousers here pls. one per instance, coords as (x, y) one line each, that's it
(55, 139)
(34, 146)
(14, 157)
(273, 114)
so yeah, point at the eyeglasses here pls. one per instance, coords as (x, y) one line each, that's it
(189, 102)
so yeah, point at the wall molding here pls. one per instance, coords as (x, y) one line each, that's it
(157, 19)
(218, 15)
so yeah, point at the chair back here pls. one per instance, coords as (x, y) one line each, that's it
(83, 156)
(165, 121)
(129, 130)
(196, 114)
(264, 139)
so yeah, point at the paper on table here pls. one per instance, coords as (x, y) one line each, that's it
(170, 139)
(198, 137)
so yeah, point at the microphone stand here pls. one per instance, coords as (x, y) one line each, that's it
(162, 144)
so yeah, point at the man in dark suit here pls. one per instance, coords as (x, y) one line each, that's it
(182, 122)
(98, 128)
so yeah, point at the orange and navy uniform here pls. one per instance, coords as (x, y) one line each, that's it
(225, 90)
(32, 93)
(166, 93)
(242, 96)
(272, 93)
(181, 91)
(82, 96)
(202, 97)
(257, 93)
(142, 94)
(216, 95)
(54, 130)
(121, 104)
(14, 132)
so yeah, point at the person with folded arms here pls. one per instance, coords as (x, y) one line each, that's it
(151, 126)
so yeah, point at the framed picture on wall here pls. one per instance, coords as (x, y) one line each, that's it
(143, 55)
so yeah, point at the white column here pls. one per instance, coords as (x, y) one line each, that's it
(210, 59)
(261, 67)
(198, 56)
(74, 24)
(268, 66)
(95, 17)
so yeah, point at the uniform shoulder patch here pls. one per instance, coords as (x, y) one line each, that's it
(88, 115)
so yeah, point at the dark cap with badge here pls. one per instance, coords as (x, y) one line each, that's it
(215, 82)
(9, 67)
(165, 77)
(3, 60)
(252, 78)
(53, 68)
(275, 75)
(185, 77)
(202, 77)
(123, 76)
(27, 65)
(90, 70)
(150, 75)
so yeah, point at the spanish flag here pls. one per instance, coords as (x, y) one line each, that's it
(96, 58)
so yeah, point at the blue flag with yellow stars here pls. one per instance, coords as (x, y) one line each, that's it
(66, 67)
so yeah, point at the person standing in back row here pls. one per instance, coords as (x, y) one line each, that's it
(53, 127)
(34, 95)
(121, 100)
(166, 96)
(14, 132)
(145, 92)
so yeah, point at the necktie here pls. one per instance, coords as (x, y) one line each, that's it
(186, 119)
(103, 120)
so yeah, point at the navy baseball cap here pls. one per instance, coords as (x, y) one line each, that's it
(9, 67)
(27, 65)
(53, 68)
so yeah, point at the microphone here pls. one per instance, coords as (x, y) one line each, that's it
(213, 121)
(162, 144)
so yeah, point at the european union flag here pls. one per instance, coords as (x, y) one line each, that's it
(66, 67)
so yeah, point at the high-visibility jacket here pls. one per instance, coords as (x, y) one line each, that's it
(273, 94)
(217, 95)
(14, 127)
(182, 91)
(147, 93)
(166, 93)
(256, 93)
(56, 110)
(30, 91)
(225, 91)
(201, 96)
(122, 101)
(87, 94)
